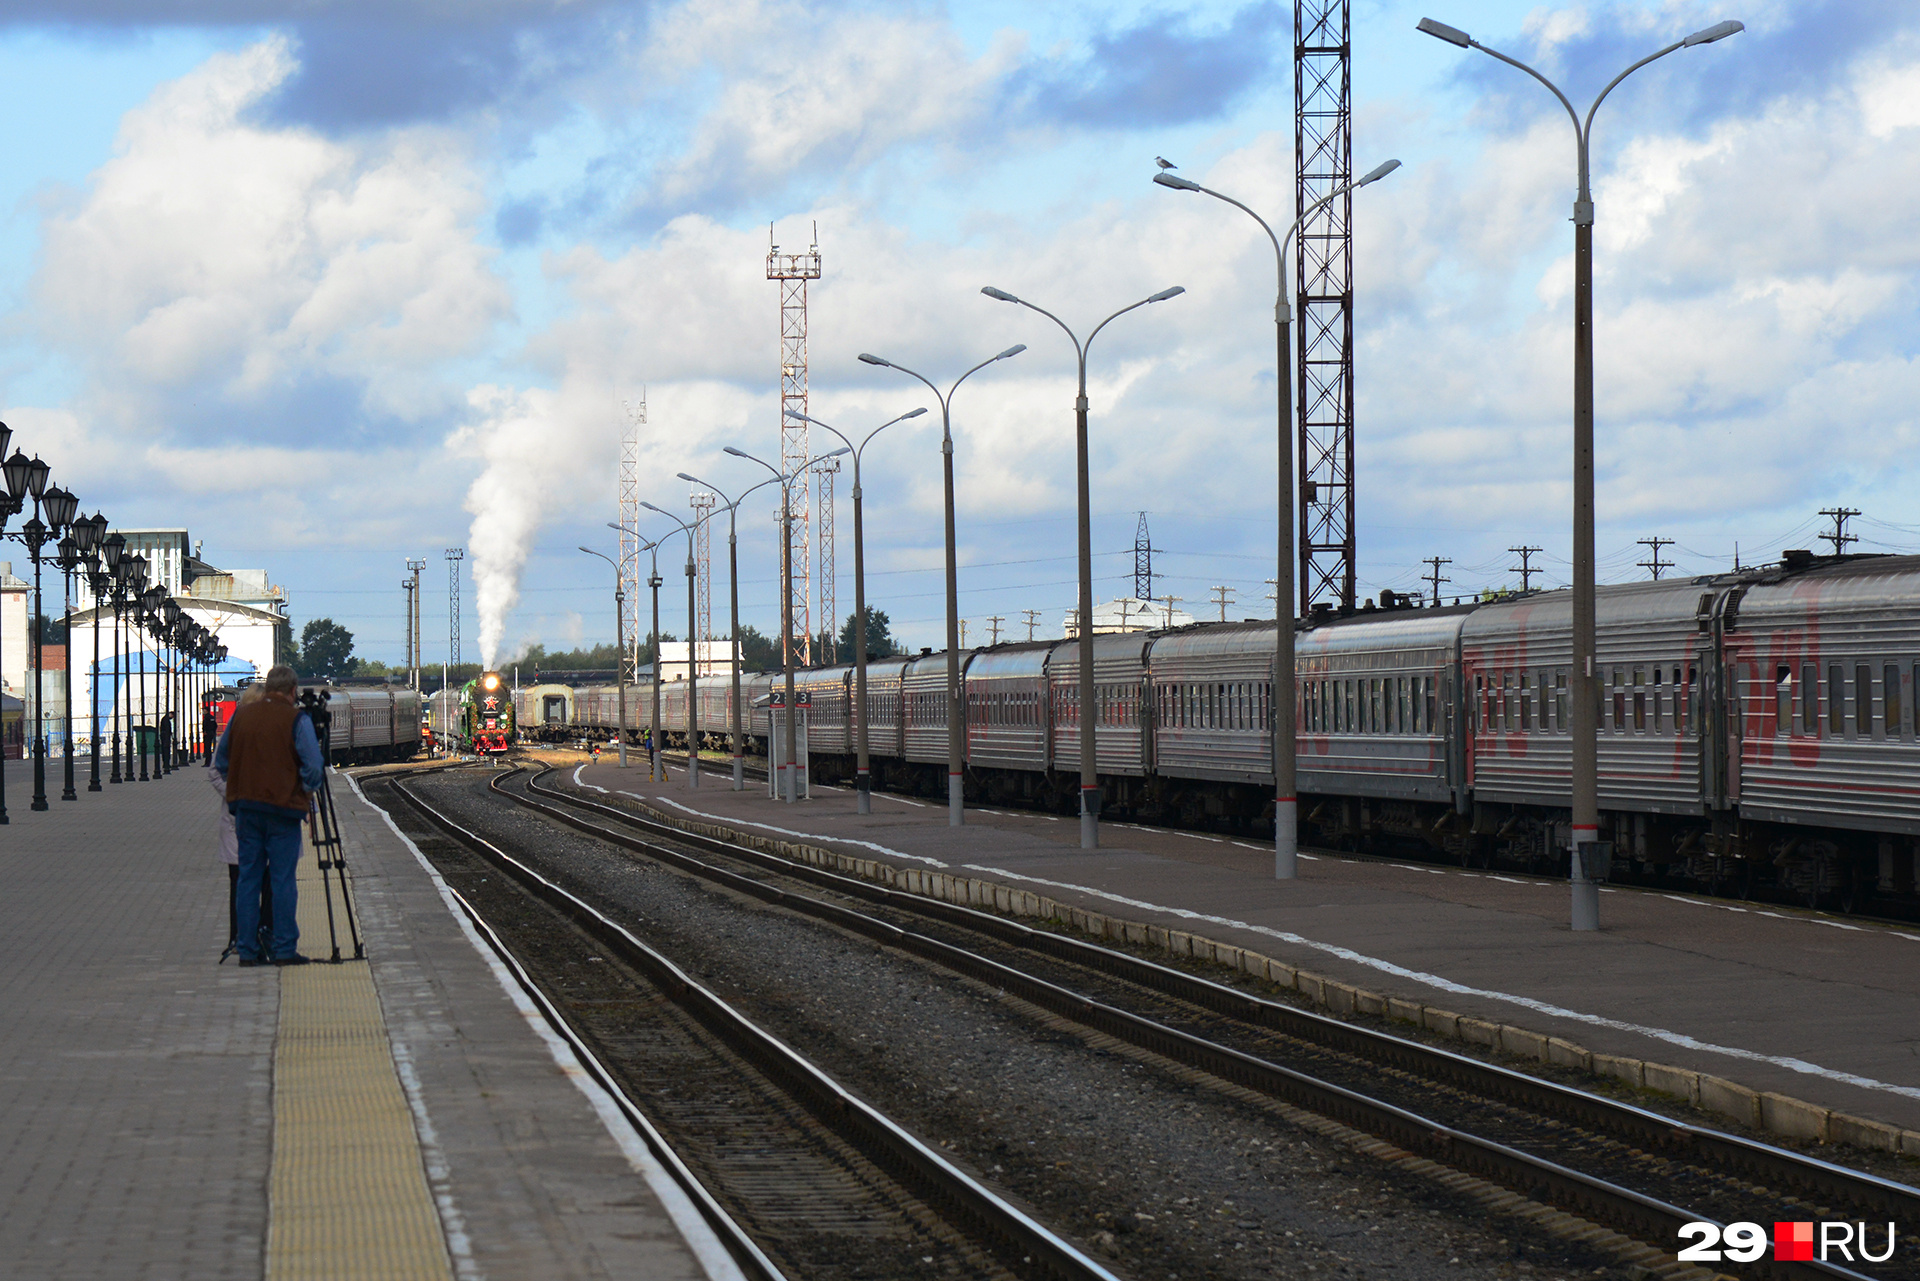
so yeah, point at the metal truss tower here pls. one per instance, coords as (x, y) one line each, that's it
(703, 502)
(793, 271)
(454, 556)
(629, 567)
(1323, 151)
(1142, 561)
(829, 609)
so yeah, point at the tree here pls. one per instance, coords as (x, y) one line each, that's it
(757, 653)
(326, 650)
(880, 643)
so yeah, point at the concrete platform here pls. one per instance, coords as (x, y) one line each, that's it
(1820, 1008)
(163, 1116)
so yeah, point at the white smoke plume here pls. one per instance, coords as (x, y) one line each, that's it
(507, 500)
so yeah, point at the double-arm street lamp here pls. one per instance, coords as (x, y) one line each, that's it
(785, 481)
(1586, 706)
(693, 650)
(1286, 803)
(619, 645)
(864, 802)
(656, 768)
(733, 587)
(93, 535)
(956, 714)
(1088, 709)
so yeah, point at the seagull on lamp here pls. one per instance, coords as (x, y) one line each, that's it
(1164, 163)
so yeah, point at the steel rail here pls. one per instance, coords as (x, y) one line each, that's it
(1022, 1243)
(1621, 1207)
(733, 1238)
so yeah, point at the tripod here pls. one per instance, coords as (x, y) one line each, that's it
(323, 830)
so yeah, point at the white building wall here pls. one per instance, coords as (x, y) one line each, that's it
(246, 632)
(13, 631)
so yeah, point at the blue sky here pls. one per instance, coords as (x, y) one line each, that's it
(338, 284)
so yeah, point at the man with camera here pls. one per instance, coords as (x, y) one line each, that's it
(271, 757)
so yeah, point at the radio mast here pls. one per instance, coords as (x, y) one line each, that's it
(793, 271)
(703, 502)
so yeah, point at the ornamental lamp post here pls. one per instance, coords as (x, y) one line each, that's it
(13, 474)
(113, 558)
(1286, 804)
(170, 693)
(91, 533)
(864, 794)
(1589, 856)
(1087, 711)
(69, 560)
(956, 714)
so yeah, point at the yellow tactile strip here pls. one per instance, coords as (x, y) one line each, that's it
(348, 1196)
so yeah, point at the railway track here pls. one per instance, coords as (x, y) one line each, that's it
(1639, 1172)
(795, 1172)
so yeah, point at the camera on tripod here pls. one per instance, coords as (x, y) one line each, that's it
(323, 827)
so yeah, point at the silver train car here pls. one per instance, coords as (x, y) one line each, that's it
(1759, 730)
(372, 723)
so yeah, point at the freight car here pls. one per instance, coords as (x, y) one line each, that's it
(1759, 730)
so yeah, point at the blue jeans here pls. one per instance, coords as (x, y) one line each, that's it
(269, 847)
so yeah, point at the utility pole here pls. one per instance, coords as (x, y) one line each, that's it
(1655, 565)
(406, 585)
(1033, 617)
(1525, 568)
(413, 623)
(993, 624)
(1840, 537)
(963, 633)
(1222, 596)
(1170, 602)
(1274, 595)
(454, 556)
(1434, 578)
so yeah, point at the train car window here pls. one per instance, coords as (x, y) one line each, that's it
(1914, 699)
(1863, 700)
(1351, 700)
(1836, 699)
(1809, 699)
(1476, 713)
(1373, 705)
(1418, 724)
(1656, 697)
(1560, 699)
(1525, 701)
(1892, 719)
(1619, 700)
(1782, 700)
(1639, 700)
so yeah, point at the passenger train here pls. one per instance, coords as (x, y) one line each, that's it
(1759, 730)
(369, 722)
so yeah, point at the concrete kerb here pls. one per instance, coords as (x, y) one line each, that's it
(1768, 1112)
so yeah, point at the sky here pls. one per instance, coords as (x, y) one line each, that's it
(338, 284)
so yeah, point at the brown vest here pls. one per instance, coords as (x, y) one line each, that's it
(262, 765)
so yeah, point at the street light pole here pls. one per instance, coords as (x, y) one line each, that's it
(1088, 708)
(733, 588)
(785, 481)
(693, 652)
(1284, 708)
(956, 714)
(619, 648)
(1585, 913)
(864, 795)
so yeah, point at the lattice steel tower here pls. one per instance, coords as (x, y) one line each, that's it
(829, 610)
(1142, 561)
(793, 271)
(1323, 150)
(629, 566)
(703, 502)
(454, 556)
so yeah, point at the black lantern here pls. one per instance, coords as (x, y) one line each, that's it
(37, 473)
(17, 470)
(34, 533)
(113, 547)
(60, 504)
(88, 534)
(69, 557)
(6, 437)
(170, 610)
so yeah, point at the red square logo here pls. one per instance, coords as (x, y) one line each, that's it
(1793, 1242)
